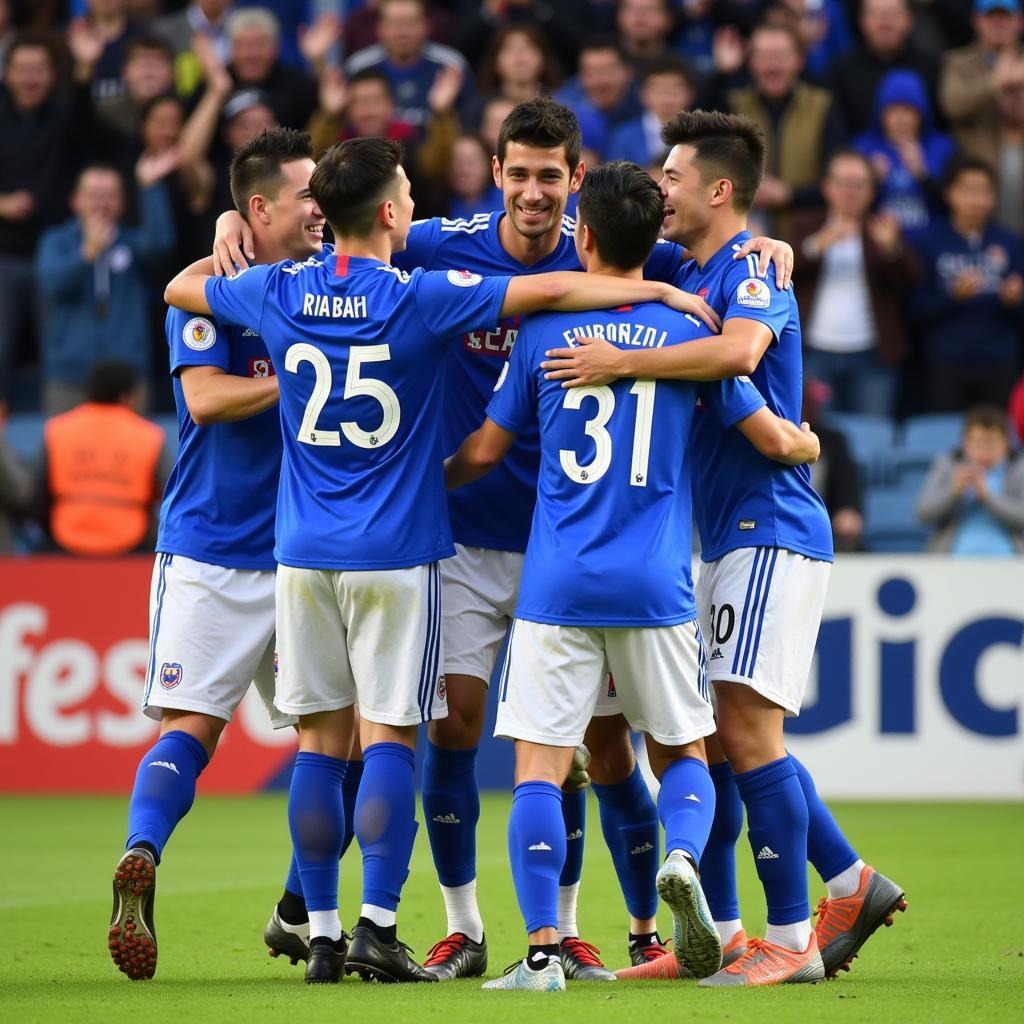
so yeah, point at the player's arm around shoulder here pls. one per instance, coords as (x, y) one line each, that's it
(187, 290)
(778, 439)
(477, 455)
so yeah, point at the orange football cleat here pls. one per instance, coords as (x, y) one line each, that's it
(764, 963)
(665, 966)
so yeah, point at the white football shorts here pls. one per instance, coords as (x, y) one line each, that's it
(554, 676)
(211, 635)
(479, 589)
(366, 637)
(760, 609)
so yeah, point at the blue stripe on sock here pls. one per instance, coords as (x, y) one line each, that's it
(764, 605)
(759, 594)
(161, 587)
(743, 616)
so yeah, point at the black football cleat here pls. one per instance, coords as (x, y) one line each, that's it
(374, 960)
(326, 963)
(131, 938)
(580, 961)
(284, 939)
(457, 956)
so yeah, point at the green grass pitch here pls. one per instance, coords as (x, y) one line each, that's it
(956, 955)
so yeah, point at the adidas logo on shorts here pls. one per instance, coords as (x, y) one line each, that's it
(767, 853)
(642, 848)
(446, 819)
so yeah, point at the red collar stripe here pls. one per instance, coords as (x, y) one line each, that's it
(341, 267)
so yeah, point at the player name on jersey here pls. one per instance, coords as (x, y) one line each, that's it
(350, 307)
(639, 335)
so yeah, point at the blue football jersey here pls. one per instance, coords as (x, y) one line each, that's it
(218, 505)
(358, 347)
(746, 500)
(611, 542)
(494, 512)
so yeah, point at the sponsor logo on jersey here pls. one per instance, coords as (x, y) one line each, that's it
(261, 368)
(497, 342)
(199, 334)
(754, 293)
(170, 675)
(463, 278)
(748, 524)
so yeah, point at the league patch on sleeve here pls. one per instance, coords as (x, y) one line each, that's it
(199, 334)
(754, 293)
(463, 278)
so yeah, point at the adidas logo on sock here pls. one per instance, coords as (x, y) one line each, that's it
(446, 819)
(694, 798)
(642, 848)
(164, 764)
(716, 654)
(539, 846)
(578, 834)
(767, 853)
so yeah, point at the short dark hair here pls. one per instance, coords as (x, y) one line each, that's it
(543, 123)
(488, 80)
(668, 64)
(728, 146)
(36, 40)
(154, 101)
(988, 416)
(964, 165)
(603, 41)
(623, 206)
(352, 179)
(374, 74)
(847, 153)
(110, 380)
(148, 43)
(256, 166)
(104, 167)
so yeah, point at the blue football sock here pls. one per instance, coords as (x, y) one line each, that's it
(629, 821)
(316, 817)
(349, 792)
(536, 848)
(574, 817)
(293, 883)
(827, 848)
(386, 822)
(165, 786)
(777, 830)
(718, 863)
(686, 806)
(451, 809)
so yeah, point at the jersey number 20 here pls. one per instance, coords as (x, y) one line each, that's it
(355, 384)
(595, 428)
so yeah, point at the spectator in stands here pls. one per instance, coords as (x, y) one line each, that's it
(519, 64)
(8, 32)
(800, 121)
(974, 497)
(886, 27)
(666, 87)
(470, 180)
(361, 20)
(411, 62)
(852, 274)
(822, 28)
(908, 154)
(15, 489)
(41, 138)
(103, 469)
(205, 18)
(644, 28)
(834, 476)
(106, 30)
(973, 77)
(1017, 409)
(147, 72)
(363, 106)
(91, 273)
(255, 39)
(969, 304)
(495, 110)
(602, 94)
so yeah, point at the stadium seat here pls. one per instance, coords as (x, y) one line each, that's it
(889, 521)
(870, 438)
(932, 434)
(24, 433)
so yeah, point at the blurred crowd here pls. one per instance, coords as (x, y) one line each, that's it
(895, 158)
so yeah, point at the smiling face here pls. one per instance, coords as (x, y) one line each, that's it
(536, 184)
(687, 199)
(294, 225)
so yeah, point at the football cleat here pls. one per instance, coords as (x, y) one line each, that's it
(580, 961)
(845, 924)
(374, 960)
(519, 976)
(578, 777)
(696, 943)
(457, 956)
(667, 968)
(326, 961)
(645, 952)
(131, 938)
(284, 939)
(764, 963)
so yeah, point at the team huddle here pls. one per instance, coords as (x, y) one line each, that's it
(475, 444)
